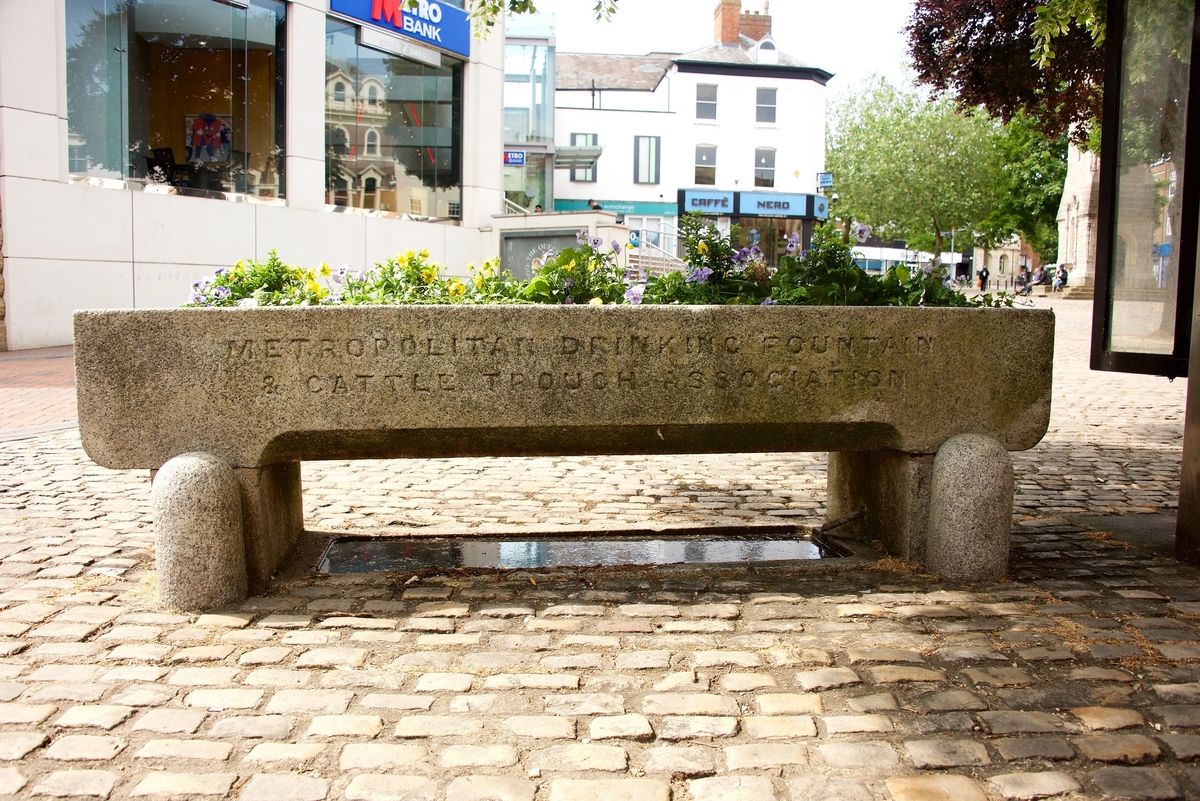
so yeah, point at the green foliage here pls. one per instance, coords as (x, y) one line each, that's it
(587, 273)
(407, 278)
(717, 273)
(827, 276)
(906, 166)
(255, 283)
(1055, 18)
(1033, 173)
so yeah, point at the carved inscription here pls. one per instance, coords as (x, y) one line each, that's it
(803, 363)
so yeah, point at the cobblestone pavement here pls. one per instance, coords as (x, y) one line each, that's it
(1079, 678)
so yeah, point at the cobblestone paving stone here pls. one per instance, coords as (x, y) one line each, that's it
(1078, 678)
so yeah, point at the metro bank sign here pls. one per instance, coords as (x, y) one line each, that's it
(430, 22)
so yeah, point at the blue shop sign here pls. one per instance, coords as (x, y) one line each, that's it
(773, 204)
(515, 158)
(820, 207)
(437, 24)
(706, 202)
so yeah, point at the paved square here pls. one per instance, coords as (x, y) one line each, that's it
(1080, 675)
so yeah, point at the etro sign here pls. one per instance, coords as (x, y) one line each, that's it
(434, 23)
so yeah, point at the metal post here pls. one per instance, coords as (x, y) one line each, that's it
(1187, 519)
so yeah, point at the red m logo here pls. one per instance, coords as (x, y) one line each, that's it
(387, 10)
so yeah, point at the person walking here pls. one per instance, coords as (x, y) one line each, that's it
(984, 275)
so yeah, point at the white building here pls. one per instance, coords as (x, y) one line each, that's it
(144, 144)
(735, 129)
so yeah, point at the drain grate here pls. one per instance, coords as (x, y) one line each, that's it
(395, 554)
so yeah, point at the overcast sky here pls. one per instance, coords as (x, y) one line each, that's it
(851, 38)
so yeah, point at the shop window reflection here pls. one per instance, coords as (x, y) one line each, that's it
(394, 144)
(185, 92)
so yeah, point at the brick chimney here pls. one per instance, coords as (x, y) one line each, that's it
(726, 19)
(755, 25)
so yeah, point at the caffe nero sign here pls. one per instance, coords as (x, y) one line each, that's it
(436, 24)
(752, 204)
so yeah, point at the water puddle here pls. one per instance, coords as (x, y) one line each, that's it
(403, 554)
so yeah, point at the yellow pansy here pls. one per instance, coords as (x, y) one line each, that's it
(424, 253)
(702, 248)
(478, 281)
(428, 274)
(325, 271)
(596, 302)
(457, 290)
(409, 255)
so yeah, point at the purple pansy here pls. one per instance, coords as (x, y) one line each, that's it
(634, 293)
(581, 236)
(700, 275)
(596, 242)
(616, 246)
(861, 233)
(221, 292)
(767, 301)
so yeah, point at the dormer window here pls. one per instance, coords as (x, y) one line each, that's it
(767, 54)
(339, 92)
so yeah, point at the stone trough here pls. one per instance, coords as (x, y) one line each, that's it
(917, 407)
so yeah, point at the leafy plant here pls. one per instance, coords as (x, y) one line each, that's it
(717, 272)
(254, 283)
(587, 273)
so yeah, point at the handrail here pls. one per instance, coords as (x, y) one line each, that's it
(651, 259)
(513, 207)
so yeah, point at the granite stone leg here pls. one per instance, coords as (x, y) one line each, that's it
(272, 516)
(970, 510)
(198, 542)
(893, 488)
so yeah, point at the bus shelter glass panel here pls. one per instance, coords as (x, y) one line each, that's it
(1143, 275)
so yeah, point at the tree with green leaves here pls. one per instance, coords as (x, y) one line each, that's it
(911, 168)
(1033, 171)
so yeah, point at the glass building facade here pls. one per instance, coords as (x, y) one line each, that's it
(529, 112)
(187, 93)
(393, 130)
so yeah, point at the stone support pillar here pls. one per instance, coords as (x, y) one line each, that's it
(204, 559)
(893, 488)
(198, 533)
(272, 517)
(970, 510)
(951, 512)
